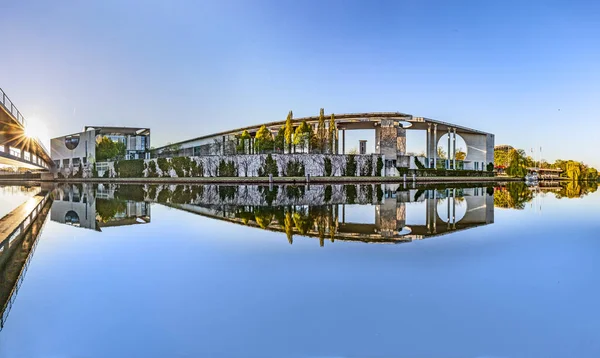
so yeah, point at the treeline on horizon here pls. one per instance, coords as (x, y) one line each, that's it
(516, 161)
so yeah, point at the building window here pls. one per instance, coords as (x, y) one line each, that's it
(75, 162)
(33, 158)
(15, 152)
(84, 160)
(57, 163)
(26, 155)
(1, 148)
(66, 163)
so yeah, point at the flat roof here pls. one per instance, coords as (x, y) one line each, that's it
(418, 123)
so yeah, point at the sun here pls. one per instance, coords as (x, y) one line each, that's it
(36, 128)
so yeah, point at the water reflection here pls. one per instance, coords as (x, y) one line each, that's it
(379, 214)
(86, 206)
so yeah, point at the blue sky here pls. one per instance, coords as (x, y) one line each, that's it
(527, 71)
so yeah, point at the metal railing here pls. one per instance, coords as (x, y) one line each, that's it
(11, 108)
(14, 111)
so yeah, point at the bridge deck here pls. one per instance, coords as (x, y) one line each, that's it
(13, 220)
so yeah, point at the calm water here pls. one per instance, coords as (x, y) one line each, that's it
(319, 271)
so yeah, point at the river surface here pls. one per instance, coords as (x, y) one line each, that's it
(304, 271)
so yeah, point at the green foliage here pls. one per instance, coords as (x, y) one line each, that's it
(106, 149)
(303, 136)
(289, 131)
(327, 167)
(130, 168)
(164, 196)
(303, 222)
(460, 154)
(263, 140)
(367, 169)
(490, 167)
(227, 169)
(94, 171)
(243, 146)
(227, 192)
(279, 141)
(106, 173)
(130, 192)
(331, 136)
(268, 194)
(181, 165)
(164, 165)
(106, 209)
(268, 167)
(294, 192)
(294, 168)
(517, 166)
(419, 164)
(379, 166)
(350, 170)
(514, 196)
(151, 169)
(196, 169)
(321, 135)
(350, 193)
(327, 194)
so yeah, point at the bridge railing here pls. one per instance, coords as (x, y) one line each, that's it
(11, 108)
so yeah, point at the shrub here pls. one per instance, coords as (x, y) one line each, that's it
(94, 171)
(227, 169)
(379, 165)
(180, 164)
(295, 168)
(350, 193)
(196, 169)
(164, 165)
(130, 168)
(151, 172)
(419, 164)
(350, 170)
(327, 167)
(328, 192)
(490, 167)
(268, 167)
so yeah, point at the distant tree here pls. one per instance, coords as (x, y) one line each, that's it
(303, 136)
(352, 151)
(289, 131)
(279, 141)
(263, 140)
(331, 137)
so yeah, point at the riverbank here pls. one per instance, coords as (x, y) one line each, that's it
(278, 180)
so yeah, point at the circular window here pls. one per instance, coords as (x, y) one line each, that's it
(71, 142)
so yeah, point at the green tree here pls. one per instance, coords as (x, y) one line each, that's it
(106, 149)
(303, 136)
(279, 141)
(321, 135)
(243, 143)
(517, 162)
(332, 134)
(263, 140)
(289, 130)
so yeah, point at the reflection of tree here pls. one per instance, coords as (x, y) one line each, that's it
(289, 227)
(263, 217)
(268, 194)
(576, 189)
(350, 193)
(513, 196)
(303, 222)
(227, 192)
(106, 209)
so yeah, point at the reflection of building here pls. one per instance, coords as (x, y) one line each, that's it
(71, 150)
(76, 205)
(399, 216)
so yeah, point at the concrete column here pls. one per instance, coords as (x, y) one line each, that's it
(428, 145)
(449, 149)
(454, 150)
(434, 145)
(343, 141)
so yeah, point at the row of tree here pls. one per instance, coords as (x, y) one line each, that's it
(303, 138)
(516, 161)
